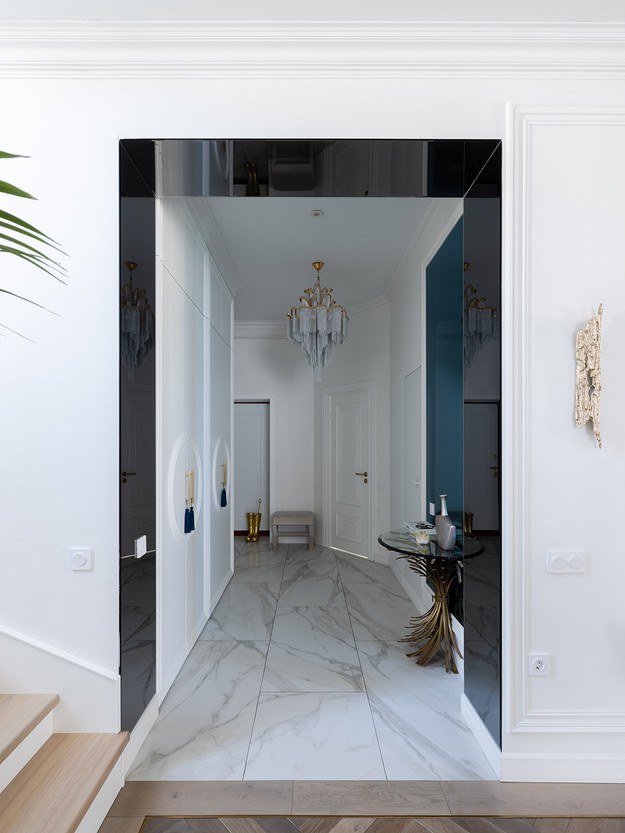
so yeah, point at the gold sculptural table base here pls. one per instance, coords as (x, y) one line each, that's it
(433, 630)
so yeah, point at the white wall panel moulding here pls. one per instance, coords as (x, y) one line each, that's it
(521, 712)
(312, 49)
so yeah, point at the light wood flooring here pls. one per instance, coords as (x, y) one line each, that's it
(472, 806)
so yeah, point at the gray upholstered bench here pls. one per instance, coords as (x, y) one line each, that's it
(293, 519)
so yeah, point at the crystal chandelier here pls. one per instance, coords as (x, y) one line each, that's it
(479, 322)
(318, 324)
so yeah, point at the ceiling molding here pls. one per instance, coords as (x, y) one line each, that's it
(203, 49)
(198, 209)
(372, 303)
(260, 329)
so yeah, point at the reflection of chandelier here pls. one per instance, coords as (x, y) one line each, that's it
(318, 324)
(136, 325)
(479, 322)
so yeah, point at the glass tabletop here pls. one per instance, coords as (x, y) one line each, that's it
(400, 540)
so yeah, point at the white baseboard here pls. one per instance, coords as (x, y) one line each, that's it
(139, 734)
(216, 596)
(193, 635)
(89, 695)
(570, 768)
(482, 735)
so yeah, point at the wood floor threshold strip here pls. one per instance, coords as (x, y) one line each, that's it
(362, 824)
(19, 715)
(56, 788)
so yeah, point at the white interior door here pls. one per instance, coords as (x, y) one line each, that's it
(349, 470)
(413, 447)
(251, 462)
(481, 464)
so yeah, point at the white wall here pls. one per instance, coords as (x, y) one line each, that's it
(67, 100)
(275, 369)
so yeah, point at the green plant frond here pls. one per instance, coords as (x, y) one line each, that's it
(17, 333)
(34, 260)
(31, 252)
(5, 155)
(37, 237)
(13, 219)
(7, 188)
(28, 300)
(34, 253)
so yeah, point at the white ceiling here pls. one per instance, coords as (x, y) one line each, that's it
(272, 242)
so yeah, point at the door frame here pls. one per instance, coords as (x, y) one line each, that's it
(326, 445)
(270, 400)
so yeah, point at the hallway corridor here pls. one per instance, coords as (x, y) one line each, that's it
(298, 675)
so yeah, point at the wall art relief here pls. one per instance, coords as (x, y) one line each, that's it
(588, 374)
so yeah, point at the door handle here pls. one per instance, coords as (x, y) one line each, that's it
(364, 474)
(127, 474)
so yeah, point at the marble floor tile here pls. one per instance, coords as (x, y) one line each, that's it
(205, 722)
(245, 611)
(267, 573)
(314, 736)
(312, 649)
(137, 623)
(357, 570)
(311, 584)
(296, 553)
(254, 557)
(379, 612)
(239, 544)
(416, 711)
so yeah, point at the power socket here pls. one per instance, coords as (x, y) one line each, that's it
(539, 665)
(432, 509)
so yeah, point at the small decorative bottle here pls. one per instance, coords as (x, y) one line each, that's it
(445, 529)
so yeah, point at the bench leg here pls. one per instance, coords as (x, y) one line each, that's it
(311, 536)
(274, 543)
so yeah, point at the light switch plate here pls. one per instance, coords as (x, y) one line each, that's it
(566, 562)
(80, 558)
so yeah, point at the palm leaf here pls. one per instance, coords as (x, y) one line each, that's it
(5, 155)
(13, 219)
(33, 253)
(28, 301)
(7, 188)
(25, 250)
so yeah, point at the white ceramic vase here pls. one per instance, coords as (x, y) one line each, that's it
(445, 528)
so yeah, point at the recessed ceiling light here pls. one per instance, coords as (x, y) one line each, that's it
(316, 212)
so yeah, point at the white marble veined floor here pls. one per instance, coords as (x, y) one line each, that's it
(298, 675)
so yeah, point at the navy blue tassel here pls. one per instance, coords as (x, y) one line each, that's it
(187, 520)
(191, 520)
(224, 497)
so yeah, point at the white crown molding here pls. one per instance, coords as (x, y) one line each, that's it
(203, 49)
(199, 211)
(260, 329)
(372, 303)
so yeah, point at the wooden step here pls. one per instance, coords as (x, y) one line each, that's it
(19, 715)
(55, 789)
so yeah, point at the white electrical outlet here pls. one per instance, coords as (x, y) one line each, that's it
(539, 665)
(432, 509)
(80, 558)
(566, 562)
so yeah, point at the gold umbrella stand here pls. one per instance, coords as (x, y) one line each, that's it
(253, 525)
